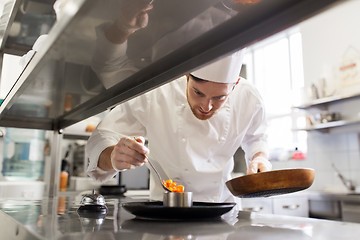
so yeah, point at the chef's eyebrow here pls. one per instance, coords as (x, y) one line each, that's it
(220, 96)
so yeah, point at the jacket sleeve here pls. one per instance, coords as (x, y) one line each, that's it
(125, 120)
(109, 61)
(255, 139)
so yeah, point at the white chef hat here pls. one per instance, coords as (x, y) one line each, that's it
(225, 70)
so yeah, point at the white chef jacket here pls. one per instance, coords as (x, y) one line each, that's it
(195, 153)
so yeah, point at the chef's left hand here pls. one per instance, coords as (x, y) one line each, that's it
(259, 164)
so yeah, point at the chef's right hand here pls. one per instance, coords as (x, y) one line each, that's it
(129, 153)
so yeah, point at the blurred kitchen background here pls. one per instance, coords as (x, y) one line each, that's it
(309, 77)
(303, 74)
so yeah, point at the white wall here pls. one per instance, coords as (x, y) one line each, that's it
(326, 38)
(11, 70)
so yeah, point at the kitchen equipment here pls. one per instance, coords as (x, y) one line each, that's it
(177, 199)
(156, 170)
(92, 203)
(156, 210)
(92, 220)
(112, 189)
(325, 117)
(270, 183)
(348, 183)
(159, 172)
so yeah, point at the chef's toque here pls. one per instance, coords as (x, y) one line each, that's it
(225, 70)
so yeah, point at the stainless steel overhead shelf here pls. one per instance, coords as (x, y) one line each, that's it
(59, 88)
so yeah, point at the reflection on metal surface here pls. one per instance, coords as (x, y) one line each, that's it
(36, 220)
(179, 36)
(269, 232)
(91, 221)
(215, 229)
(28, 20)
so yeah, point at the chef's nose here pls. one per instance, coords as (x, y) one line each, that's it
(206, 105)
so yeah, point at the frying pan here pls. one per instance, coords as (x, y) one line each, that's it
(270, 183)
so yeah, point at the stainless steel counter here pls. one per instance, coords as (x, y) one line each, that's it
(335, 206)
(58, 218)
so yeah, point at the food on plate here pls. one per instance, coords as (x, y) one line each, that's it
(172, 185)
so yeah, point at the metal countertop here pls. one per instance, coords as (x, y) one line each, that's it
(337, 196)
(58, 218)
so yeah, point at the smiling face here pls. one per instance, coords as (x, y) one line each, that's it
(206, 98)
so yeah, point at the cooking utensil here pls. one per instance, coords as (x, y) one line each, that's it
(348, 183)
(177, 199)
(112, 189)
(156, 210)
(270, 183)
(160, 173)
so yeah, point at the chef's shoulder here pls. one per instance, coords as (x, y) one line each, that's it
(245, 89)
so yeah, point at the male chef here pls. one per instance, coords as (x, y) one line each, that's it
(193, 125)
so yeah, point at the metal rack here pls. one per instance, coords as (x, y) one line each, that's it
(61, 70)
(323, 104)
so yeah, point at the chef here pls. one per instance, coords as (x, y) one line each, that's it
(193, 126)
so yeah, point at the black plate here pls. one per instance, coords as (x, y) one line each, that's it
(156, 210)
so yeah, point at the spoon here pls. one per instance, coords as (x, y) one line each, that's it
(158, 167)
(158, 174)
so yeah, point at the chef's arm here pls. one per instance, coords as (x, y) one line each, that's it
(105, 159)
(259, 163)
(109, 61)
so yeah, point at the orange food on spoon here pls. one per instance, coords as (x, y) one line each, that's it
(172, 185)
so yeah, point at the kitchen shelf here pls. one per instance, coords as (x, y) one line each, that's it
(329, 125)
(323, 103)
(61, 68)
(326, 101)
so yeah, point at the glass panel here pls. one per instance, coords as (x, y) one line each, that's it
(76, 73)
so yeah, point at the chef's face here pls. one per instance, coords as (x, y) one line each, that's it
(206, 98)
